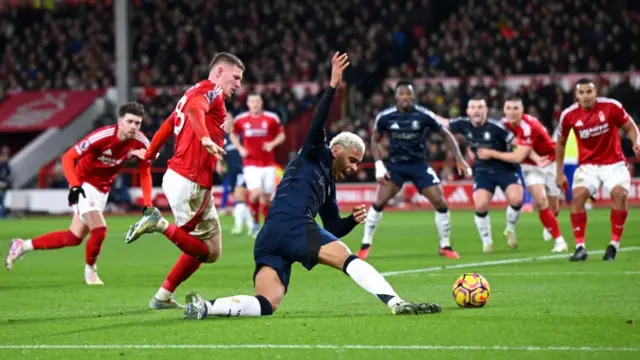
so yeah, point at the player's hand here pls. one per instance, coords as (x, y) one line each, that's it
(219, 168)
(338, 64)
(484, 154)
(243, 152)
(636, 149)
(359, 214)
(543, 161)
(74, 195)
(213, 148)
(268, 146)
(562, 182)
(463, 168)
(139, 153)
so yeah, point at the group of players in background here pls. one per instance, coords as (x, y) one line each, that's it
(289, 233)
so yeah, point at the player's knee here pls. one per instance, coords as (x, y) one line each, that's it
(72, 239)
(619, 197)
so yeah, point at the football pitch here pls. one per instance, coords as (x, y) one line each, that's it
(541, 306)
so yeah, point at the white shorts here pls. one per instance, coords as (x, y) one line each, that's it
(95, 200)
(535, 175)
(259, 177)
(593, 177)
(192, 206)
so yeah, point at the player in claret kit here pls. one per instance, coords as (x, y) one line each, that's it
(533, 141)
(261, 132)
(100, 155)
(291, 234)
(199, 123)
(595, 121)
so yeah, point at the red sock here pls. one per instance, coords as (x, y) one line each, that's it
(188, 244)
(618, 218)
(255, 211)
(550, 222)
(579, 224)
(181, 271)
(55, 240)
(265, 210)
(94, 244)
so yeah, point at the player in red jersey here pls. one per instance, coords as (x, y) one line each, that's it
(533, 142)
(261, 132)
(199, 123)
(601, 163)
(100, 156)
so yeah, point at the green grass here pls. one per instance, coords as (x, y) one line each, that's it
(538, 310)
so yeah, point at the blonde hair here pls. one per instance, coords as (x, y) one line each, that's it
(348, 140)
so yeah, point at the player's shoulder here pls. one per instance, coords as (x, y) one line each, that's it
(101, 133)
(142, 139)
(425, 111)
(497, 123)
(386, 112)
(609, 102)
(209, 89)
(271, 116)
(241, 117)
(566, 114)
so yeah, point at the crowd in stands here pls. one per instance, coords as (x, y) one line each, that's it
(71, 46)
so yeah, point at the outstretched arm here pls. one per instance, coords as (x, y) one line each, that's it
(316, 134)
(330, 215)
(632, 132)
(160, 138)
(517, 156)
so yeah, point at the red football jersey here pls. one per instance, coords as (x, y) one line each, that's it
(532, 133)
(101, 156)
(256, 130)
(596, 130)
(191, 159)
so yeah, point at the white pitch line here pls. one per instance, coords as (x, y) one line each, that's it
(565, 273)
(496, 262)
(322, 347)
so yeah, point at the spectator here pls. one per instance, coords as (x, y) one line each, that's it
(5, 180)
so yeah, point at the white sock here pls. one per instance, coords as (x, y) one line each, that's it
(163, 224)
(248, 217)
(512, 218)
(484, 229)
(443, 224)
(238, 214)
(90, 268)
(163, 294)
(616, 244)
(371, 224)
(546, 235)
(370, 279)
(239, 305)
(27, 246)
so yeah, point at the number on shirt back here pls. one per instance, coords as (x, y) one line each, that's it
(179, 115)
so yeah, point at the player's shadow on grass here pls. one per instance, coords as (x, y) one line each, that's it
(34, 320)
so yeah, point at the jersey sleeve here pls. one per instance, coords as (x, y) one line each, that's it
(92, 142)
(237, 126)
(619, 115)
(429, 118)
(275, 126)
(316, 135)
(564, 125)
(380, 124)
(160, 137)
(458, 125)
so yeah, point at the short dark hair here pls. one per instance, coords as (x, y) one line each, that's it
(403, 83)
(513, 98)
(228, 58)
(133, 108)
(585, 81)
(478, 97)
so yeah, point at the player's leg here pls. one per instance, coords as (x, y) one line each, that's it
(512, 187)
(547, 216)
(429, 184)
(53, 240)
(253, 179)
(336, 254)
(241, 212)
(616, 180)
(385, 193)
(585, 183)
(98, 232)
(483, 187)
(268, 186)
(226, 190)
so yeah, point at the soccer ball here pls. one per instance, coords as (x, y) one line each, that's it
(471, 290)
